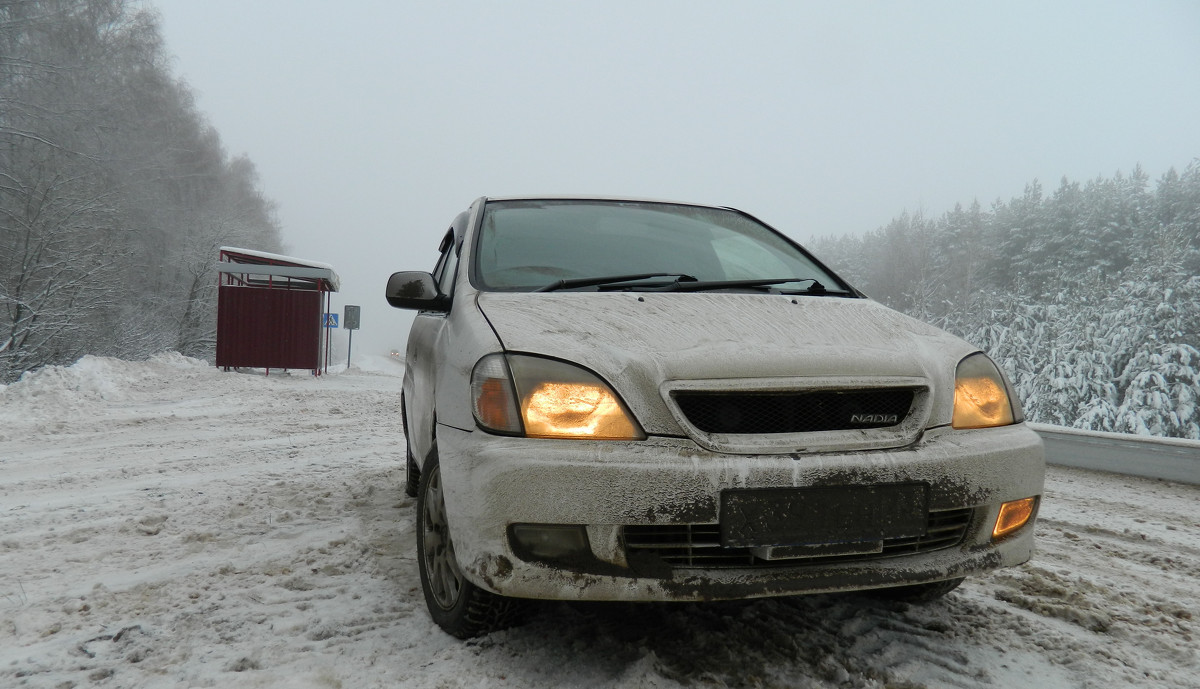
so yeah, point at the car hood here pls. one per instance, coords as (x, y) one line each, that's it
(646, 343)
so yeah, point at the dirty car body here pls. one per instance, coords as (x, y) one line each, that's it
(634, 400)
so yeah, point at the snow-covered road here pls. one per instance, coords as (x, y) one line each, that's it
(165, 524)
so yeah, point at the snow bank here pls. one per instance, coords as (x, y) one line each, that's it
(60, 394)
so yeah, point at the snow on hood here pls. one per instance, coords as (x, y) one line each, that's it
(637, 341)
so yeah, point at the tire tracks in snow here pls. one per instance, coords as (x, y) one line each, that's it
(212, 529)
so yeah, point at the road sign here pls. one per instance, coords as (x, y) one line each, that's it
(351, 320)
(331, 320)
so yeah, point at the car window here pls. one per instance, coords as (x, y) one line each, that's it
(744, 259)
(443, 272)
(524, 245)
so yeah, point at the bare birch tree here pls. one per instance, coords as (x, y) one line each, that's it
(114, 192)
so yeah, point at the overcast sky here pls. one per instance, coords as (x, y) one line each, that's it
(373, 123)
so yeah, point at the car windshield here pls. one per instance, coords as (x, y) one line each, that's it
(549, 244)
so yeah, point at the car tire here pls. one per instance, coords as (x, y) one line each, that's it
(918, 593)
(412, 473)
(459, 607)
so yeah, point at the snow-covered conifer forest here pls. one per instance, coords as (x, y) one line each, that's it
(1089, 296)
(115, 193)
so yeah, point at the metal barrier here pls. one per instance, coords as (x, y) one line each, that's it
(1171, 459)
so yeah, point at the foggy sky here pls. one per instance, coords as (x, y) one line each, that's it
(373, 123)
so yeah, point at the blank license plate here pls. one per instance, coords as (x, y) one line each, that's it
(810, 516)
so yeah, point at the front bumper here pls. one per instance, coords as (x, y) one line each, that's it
(492, 482)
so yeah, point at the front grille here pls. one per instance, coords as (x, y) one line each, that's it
(698, 546)
(795, 411)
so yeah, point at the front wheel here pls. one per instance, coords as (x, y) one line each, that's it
(412, 474)
(459, 607)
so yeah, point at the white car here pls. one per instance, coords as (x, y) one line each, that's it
(651, 401)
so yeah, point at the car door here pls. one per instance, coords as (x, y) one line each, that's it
(425, 353)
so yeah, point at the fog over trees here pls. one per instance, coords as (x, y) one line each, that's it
(1089, 296)
(115, 193)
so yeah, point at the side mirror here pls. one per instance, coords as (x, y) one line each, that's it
(414, 289)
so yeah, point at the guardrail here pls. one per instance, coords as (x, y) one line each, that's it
(1171, 459)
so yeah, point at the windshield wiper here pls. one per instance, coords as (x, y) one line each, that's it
(613, 280)
(697, 286)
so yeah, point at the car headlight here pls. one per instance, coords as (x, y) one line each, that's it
(981, 395)
(536, 397)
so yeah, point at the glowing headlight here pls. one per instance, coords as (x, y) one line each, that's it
(544, 398)
(981, 397)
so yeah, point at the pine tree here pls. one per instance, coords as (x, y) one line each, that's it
(1089, 299)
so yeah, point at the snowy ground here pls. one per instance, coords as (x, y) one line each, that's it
(165, 524)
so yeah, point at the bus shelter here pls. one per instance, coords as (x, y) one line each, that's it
(270, 311)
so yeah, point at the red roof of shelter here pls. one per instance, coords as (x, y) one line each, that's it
(259, 268)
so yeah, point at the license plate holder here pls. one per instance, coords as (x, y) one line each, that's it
(771, 517)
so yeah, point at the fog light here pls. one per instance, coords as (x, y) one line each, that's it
(555, 542)
(1013, 515)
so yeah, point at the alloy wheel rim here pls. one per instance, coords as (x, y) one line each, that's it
(441, 568)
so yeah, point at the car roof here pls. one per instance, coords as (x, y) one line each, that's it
(585, 197)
